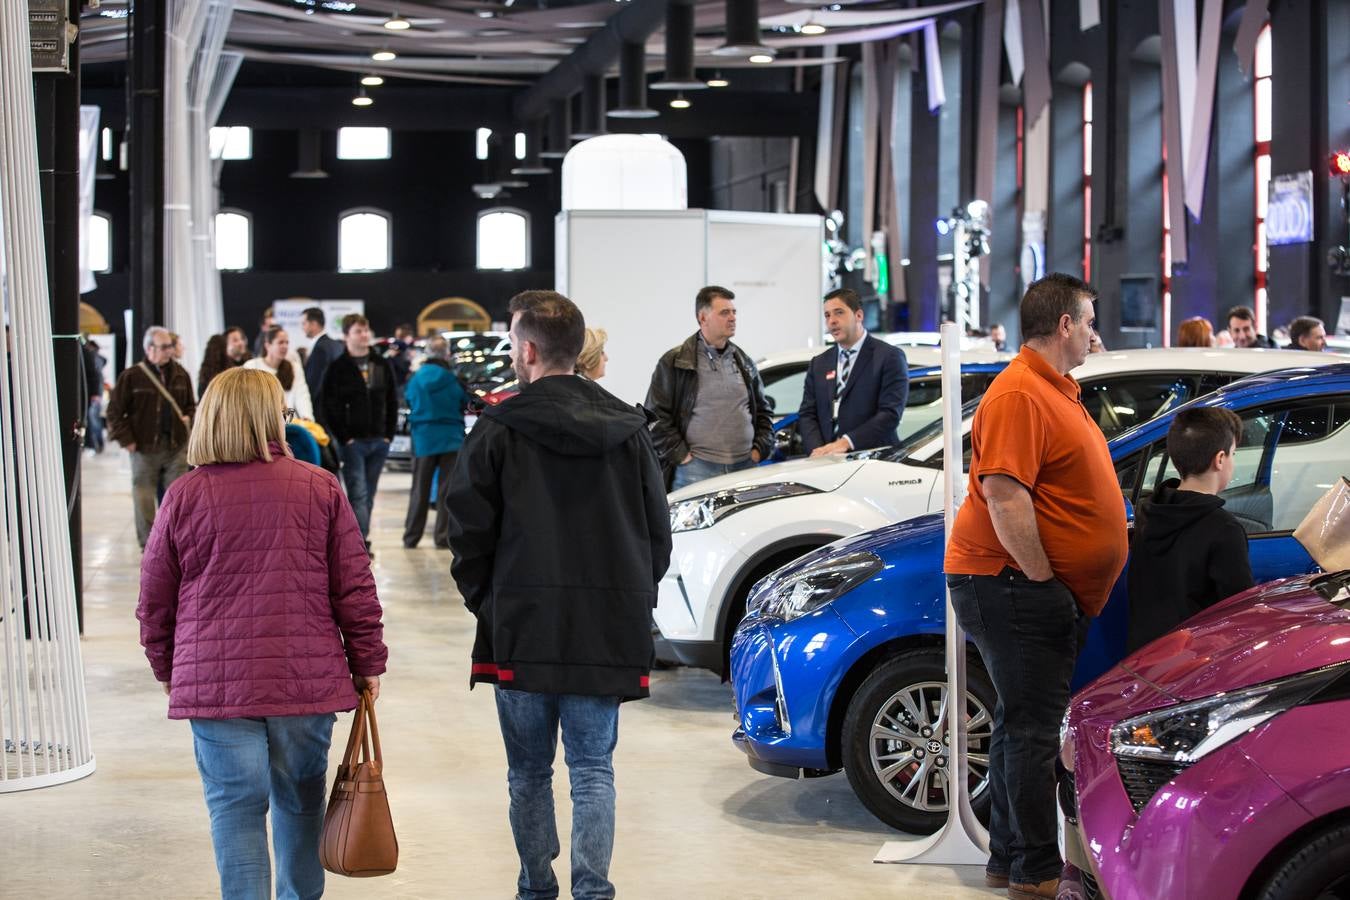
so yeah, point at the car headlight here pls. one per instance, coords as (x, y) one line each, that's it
(706, 510)
(815, 586)
(1186, 733)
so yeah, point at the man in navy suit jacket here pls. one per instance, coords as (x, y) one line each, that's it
(856, 390)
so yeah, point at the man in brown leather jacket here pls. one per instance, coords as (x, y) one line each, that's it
(707, 399)
(152, 427)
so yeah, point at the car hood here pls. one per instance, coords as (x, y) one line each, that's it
(1272, 631)
(889, 542)
(824, 473)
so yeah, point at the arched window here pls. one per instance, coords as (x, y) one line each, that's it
(360, 142)
(234, 240)
(363, 241)
(100, 242)
(231, 142)
(503, 239)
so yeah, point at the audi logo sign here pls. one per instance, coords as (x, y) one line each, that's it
(1289, 214)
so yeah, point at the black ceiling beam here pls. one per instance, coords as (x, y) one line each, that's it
(726, 111)
(634, 23)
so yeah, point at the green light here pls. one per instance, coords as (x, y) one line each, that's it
(883, 275)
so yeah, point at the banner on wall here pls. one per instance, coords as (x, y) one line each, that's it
(1289, 212)
(288, 313)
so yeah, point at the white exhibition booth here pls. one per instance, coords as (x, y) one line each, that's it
(635, 271)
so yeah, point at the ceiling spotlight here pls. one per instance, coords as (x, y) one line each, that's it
(384, 56)
(372, 81)
(717, 80)
(397, 23)
(362, 99)
(761, 58)
(813, 28)
(679, 102)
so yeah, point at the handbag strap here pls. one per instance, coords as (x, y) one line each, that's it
(351, 756)
(159, 386)
(374, 733)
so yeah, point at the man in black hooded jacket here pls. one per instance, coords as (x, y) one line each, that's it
(560, 533)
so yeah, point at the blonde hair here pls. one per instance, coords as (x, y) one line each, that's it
(588, 360)
(239, 415)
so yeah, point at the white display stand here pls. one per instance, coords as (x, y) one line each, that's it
(635, 273)
(288, 313)
(962, 840)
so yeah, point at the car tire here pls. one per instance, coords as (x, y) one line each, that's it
(885, 772)
(1318, 867)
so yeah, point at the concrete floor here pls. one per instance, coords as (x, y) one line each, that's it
(694, 821)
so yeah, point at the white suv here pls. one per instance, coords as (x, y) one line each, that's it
(733, 530)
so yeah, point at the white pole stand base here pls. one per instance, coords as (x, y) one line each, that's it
(952, 845)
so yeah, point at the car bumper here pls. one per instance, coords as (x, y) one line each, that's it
(1199, 834)
(696, 654)
(689, 597)
(784, 676)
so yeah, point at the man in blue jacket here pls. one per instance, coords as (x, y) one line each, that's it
(856, 390)
(436, 403)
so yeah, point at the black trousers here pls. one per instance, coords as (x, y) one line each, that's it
(425, 468)
(1029, 634)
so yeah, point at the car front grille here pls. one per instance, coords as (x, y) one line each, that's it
(1068, 791)
(1090, 888)
(1143, 777)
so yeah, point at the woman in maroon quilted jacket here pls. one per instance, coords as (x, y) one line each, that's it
(259, 617)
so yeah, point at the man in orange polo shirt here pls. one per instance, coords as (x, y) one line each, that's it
(1033, 554)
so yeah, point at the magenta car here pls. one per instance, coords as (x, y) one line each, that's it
(1215, 762)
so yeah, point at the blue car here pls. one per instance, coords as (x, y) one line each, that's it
(839, 660)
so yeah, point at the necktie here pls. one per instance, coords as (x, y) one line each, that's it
(845, 364)
(841, 381)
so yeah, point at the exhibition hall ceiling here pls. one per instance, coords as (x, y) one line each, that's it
(502, 42)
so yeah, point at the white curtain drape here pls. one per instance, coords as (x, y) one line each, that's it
(89, 120)
(197, 79)
(44, 722)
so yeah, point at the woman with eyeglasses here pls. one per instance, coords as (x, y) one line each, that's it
(277, 359)
(260, 619)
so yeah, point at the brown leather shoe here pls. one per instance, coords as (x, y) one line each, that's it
(1046, 889)
(994, 880)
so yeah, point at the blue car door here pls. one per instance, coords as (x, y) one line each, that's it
(1292, 451)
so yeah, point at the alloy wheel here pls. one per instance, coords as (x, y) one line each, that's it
(910, 748)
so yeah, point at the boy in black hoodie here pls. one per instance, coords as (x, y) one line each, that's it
(1188, 552)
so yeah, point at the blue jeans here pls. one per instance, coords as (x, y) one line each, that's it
(699, 469)
(362, 463)
(590, 731)
(1028, 634)
(244, 764)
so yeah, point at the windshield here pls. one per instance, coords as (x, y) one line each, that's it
(783, 386)
(483, 372)
(925, 447)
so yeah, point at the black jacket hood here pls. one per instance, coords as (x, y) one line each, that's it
(1171, 511)
(569, 415)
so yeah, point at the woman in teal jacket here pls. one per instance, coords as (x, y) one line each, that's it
(436, 402)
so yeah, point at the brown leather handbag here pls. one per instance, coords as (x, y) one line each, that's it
(358, 838)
